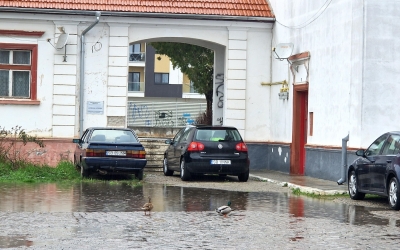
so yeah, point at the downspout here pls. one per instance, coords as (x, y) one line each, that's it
(82, 71)
(344, 160)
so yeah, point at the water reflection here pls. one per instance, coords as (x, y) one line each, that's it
(106, 197)
(14, 241)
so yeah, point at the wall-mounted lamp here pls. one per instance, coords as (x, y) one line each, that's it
(284, 91)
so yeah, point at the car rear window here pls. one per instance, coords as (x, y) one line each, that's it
(217, 135)
(117, 136)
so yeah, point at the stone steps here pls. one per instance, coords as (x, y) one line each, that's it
(155, 148)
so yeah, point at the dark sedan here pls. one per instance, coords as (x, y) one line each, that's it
(109, 151)
(199, 149)
(377, 170)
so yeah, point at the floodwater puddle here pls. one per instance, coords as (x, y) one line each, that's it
(14, 241)
(107, 197)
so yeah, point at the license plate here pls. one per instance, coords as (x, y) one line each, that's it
(226, 162)
(116, 153)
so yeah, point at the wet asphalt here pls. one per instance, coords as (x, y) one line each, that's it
(109, 216)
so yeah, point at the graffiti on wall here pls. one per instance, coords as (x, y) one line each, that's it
(219, 91)
(163, 114)
(140, 112)
(220, 120)
(163, 118)
(186, 119)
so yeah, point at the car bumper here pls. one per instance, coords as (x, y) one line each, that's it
(197, 165)
(114, 165)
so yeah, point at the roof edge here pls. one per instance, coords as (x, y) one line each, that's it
(138, 14)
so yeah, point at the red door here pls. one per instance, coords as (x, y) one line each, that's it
(299, 135)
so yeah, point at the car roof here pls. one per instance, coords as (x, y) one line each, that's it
(202, 126)
(108, 128)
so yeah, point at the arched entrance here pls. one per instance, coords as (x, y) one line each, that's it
(219, 88)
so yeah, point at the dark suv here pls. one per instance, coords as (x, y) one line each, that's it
(201, 149)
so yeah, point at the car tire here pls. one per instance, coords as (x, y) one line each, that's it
(139, 175)
(353, 188)
(84, 172)
(166, 171)
(244, 176)
(393, 194)
(185, 175)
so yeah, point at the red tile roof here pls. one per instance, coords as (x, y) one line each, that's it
(244, 8)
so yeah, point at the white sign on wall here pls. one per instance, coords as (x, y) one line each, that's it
(95, 108)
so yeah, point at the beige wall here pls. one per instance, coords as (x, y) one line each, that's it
(186, 84)
(162, 65)
(138, 69)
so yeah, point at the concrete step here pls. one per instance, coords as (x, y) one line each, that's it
(155, 148)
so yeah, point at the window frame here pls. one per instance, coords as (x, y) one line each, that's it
(32, 68)
(157, 73)
(129, 76)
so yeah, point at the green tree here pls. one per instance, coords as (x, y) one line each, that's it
(197, 63)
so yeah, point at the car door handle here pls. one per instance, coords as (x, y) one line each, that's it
(389, 161)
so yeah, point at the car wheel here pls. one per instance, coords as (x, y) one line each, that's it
(185, 175)
(394, 194)
(84, 172)
(167, 172)
(353, 189)
(139, 175)
(244, 176)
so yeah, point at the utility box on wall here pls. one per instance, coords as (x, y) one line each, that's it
(283, 95)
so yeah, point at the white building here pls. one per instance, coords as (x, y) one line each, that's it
(339, 76)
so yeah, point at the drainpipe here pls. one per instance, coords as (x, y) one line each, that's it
(344, 160)
(82, 71)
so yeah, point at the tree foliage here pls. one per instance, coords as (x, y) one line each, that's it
(194, 61)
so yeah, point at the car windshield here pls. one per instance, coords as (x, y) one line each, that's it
(217, 135)
(116, 136)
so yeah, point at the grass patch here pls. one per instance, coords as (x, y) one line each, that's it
(297, 191)
(64, 172)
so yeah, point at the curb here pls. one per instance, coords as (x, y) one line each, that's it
(303, 189)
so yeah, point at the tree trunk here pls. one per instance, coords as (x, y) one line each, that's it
(209, 99)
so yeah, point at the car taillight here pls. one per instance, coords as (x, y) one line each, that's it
(95, 152)
(241, 147)
(141, 154)
(195, 146)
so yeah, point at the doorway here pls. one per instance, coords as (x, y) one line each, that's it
(299, 129)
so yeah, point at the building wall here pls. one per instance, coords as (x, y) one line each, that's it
(27, 115)
(161, 63)
(158, 90)
(380, 85)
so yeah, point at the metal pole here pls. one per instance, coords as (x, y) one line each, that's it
(344, 160)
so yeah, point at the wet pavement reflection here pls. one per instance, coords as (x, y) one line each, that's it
(106, 197)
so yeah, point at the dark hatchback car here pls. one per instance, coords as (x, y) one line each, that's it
(200, 149)
(109, 151)
(377, 170)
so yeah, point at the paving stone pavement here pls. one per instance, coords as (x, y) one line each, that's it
(187, 230)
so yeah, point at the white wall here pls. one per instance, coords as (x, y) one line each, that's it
(333, 40)
(33, 118)
(381, 85)
(105, 74)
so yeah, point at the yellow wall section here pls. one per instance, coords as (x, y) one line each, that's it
(138, 69)
(161, 66)
(186, 84)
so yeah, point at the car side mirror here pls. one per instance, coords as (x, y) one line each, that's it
(360, 152)
(76, 140)
(169, 141)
